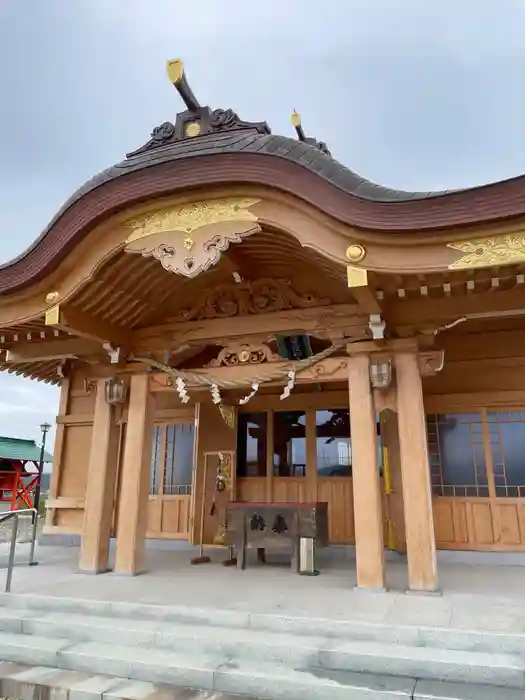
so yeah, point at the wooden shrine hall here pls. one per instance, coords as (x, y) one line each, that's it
(234, 317)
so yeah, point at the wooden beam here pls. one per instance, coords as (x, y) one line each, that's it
(425, 312)
(84, 325)
(51, 350)
(68, 503)
(341, 317)
(362, 290)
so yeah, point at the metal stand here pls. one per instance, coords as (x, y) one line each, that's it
(202, 558)
(15, 515)
(307, 557)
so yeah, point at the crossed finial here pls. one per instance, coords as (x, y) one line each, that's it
(177, 76)
(296, 123)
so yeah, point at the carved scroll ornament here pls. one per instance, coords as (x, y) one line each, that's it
(244, 354)
(431, 362)
(260, 296)
(485, 252)
(190, 238)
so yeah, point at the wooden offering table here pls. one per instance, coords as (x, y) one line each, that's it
(296, 527)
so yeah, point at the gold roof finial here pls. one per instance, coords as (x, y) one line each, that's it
(175, 70)
(296, 123)
(176, 74)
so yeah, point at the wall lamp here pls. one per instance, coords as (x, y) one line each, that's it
(380, 373)
(116, 391)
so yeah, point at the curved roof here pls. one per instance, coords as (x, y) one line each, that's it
(206, 148)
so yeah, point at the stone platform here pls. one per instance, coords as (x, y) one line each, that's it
(265, 632)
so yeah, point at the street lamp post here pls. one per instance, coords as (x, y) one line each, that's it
(44, 429)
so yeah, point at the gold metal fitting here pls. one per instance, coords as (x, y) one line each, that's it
(52, 297)
(355, 253)
(296, 119)
(175, 70)
(193, 129)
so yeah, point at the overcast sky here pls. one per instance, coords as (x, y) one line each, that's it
(415, 94)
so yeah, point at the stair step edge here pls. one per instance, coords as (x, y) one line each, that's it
(235, 619)
(126, 624)
(325, 647)
(233, 676)
(15, 678)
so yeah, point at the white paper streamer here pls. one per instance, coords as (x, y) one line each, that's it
(215, 394)
(181, 390)
(289, 386)
(255, 389)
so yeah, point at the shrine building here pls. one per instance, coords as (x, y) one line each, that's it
(232, 312)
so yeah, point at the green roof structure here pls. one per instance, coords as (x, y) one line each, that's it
(22, 450)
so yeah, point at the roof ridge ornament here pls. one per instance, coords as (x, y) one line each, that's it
(297, 125)
(196, 120)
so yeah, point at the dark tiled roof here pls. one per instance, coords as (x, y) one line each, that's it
(206, 148)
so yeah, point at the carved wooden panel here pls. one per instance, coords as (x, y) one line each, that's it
(244, 354)
(260, 296)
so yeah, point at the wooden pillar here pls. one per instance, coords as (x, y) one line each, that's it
(102, 470)
(58, 450)
(417, 495)
(365, 477)
(132, 518)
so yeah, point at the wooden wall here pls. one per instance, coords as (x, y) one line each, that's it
(486, 364)
(65, 507)
(481, 524)
(212, 434)
(483, 371)
(168, 515)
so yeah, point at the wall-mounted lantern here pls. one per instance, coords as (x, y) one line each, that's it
(380, 373)
(116, 391)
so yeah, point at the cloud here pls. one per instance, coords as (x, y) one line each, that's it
(411, 94)
(24, 406)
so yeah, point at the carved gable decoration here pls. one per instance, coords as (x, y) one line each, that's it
(487, 252)
(244, 354)
(190, 238)
(256, 297)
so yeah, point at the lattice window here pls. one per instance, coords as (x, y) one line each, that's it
(457, 455)
(178, 465)
(155, 462)
(507, 447)
(171, 464)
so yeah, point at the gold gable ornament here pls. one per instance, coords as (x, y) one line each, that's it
(487, 252)
(189, 239)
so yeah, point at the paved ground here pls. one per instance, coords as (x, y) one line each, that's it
(474, 597)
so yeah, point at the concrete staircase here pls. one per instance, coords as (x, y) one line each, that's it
(100, 645)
